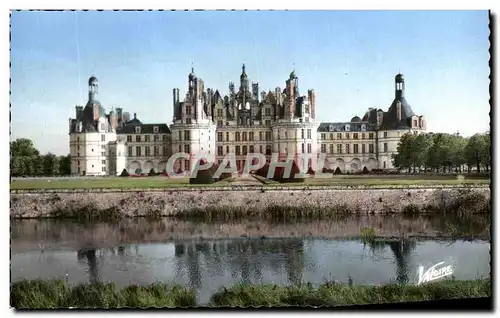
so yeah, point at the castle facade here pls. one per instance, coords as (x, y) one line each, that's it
(244, 121)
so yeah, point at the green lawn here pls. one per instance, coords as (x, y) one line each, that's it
(107, 183)
(164, 182)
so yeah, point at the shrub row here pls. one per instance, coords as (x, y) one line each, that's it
(40, 294)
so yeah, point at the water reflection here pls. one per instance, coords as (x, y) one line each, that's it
(208, 265)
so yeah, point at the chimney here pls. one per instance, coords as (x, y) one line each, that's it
(291, 97)
(113, 118)
(398, 111)
(312, 101)
(96, 112)
(78, 111)
(135, 115)
(126, 117)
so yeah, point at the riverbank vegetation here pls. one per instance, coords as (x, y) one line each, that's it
(38, 294)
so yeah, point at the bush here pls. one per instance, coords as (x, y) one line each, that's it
(138, 171)
(124, 173)
(310, 171)
(225, 175)
(152, 172)
(279, 173)
(202, 177)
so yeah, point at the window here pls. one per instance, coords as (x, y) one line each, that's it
(415, 123)
(260, 135)
(219, 112)
(331, 148)
(237, 150)
(156, 138)
(370, 148)
(227, 136)
(309, 148)
(138, 151)
(103, 147)
(187, 135)
(103, 126)
(103, 169)
(286, 135)
(267, 111)
(347, 136)
(78, 162)
(186, 165)
(303, 148)
(103, 162)
(188, 110)
(103, 137)
(92, 149)
(355, 148)
(237, 136)
(302, 133)
(187, 149)
(278, 134)
(219, 151)
(138, 138)
(227, 149)
(137, 129)
(363, 136)
(219, 123)
(331, 136)
(77, 147)
(130, 152)
(370, 135)
(250, 136)
(384, 165)
(180, 148)
(251, 149)
(363, 150)
(268, 136)
(164, 137)
(268, 122)
(244, 135)
(155, 151)
(323, 136)
(78, 154)
(155, 129)
(339, 135)
(219, 136)
(260, 149)
(268, 150)
(165, 151)
(188, 122)
(347, 149)
(323, 148)
(78, 169)
(77, 139)
(244, 150)
(339, 149)
(385, 147)
(385, 134)
(103, 154)
(309, 134)
(355, 135)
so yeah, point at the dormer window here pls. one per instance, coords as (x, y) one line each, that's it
(330, 128)
(155, 129)
(363, 127)
(137, 129)
(347, 127)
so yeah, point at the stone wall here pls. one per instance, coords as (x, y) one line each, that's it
(168, 202)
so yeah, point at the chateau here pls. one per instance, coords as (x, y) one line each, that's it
(243, 121)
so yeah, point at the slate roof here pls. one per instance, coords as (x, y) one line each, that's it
(145, 129)
(340, 127)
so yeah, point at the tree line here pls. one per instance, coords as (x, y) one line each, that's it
(26, 161)
(441, 152)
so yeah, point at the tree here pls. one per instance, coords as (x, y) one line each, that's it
(23, 147)
(474, 150)
(65, 165)
(50, 165)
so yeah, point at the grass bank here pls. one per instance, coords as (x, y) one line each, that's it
(160, 182)
(40, 294)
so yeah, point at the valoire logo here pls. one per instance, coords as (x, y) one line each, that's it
(433, 273)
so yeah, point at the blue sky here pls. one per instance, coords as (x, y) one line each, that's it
(139, 57)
